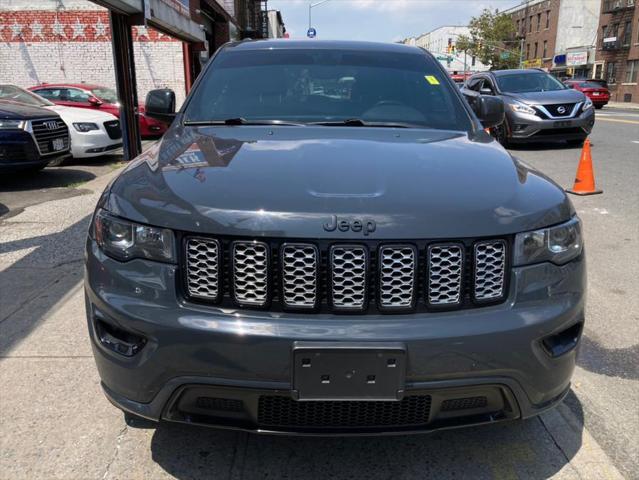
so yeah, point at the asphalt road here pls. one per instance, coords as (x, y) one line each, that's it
(55, 422)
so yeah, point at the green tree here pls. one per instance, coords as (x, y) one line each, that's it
(492, 40)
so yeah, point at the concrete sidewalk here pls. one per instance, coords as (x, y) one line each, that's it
(621, 106)
(56, 423)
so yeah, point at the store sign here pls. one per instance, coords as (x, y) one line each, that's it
(560, 59)
(182, 6)
(576, 58)
(535, 63)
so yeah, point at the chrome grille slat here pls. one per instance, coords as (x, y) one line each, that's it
(250, 273)
(203, 268)
(300, 264)
(490, 269)
(44, 135)
(445, 273)
(349, 273)
(397, 268)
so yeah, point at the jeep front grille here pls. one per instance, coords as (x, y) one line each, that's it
(490, 268)
(445, 272)
(366, 278)
(397, 276)
(250, 273)
(300, 265)
(349, 271)
(203, 268)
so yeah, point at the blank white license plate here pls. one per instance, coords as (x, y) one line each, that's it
(596, 94)
(57, 144)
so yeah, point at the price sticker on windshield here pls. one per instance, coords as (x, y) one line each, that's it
(431, 79)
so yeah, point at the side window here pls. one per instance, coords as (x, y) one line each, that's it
(475, 84)
(48, 93)
(77, 95)
(488, 84)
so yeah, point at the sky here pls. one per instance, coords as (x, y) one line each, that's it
(379, 20)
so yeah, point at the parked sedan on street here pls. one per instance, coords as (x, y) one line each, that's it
(539, 108)
(93, 133)
(95, 97)
(598, 94)
(30, 137)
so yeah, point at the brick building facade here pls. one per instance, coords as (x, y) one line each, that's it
(618, 48)
(69, 41)
(536, 23)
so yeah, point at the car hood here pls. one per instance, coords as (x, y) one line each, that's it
(73, 114)
(21, 111)
(548, 98)
(289, 181)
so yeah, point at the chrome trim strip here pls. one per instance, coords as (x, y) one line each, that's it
(570, 115)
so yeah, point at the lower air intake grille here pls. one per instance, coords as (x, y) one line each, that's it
(279, 411)
(490, 269)
(464, 403)
(250, 273)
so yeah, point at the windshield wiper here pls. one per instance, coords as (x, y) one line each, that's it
(239, 121)
(357, 122)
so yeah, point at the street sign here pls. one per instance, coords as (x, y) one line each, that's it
(504, 55)
(311, 33)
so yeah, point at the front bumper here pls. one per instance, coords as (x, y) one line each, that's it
(93, 143)
(18, 151)
(241, 360)
(527, 128)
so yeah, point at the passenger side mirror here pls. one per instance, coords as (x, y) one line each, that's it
(160, 104)
(489, 110)
(94, 101)
(485, 91)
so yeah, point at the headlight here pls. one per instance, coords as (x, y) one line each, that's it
(85, 127)
(124, 240)
(587, 104)
(521, 108)
(558, 244)
(11, 124)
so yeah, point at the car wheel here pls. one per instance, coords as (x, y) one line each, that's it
(501, 134)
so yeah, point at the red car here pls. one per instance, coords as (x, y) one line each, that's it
(83, 95)
(595, 90)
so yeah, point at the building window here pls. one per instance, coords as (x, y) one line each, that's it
(611, 72)
(530, 24)
(627, 33)
(518, 31)
(538, 21)
(547, 18)
(527, 51)
(545, 49)
(535, 55)
(632, 71)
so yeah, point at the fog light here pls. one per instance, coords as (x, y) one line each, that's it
(117, 340)
(518, 127)
(562, 342)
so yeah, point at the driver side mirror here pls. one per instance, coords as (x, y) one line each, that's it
(160, 104)
(485, 91)
(489, 110)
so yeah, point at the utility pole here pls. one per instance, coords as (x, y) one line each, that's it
(311, 5)
(521, 52)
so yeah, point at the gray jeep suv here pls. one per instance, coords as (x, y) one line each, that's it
(326, 241)
(539, 108)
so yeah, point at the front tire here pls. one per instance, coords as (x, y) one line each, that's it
(501, 134)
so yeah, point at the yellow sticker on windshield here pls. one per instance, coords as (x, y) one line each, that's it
(432, 80)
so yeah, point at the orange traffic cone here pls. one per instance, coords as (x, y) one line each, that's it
(585, 179)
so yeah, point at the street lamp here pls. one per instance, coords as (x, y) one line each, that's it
(311, 5)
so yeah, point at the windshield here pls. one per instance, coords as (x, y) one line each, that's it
(307, 86)
(528, 82)
(107, 95)
(17, 94)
